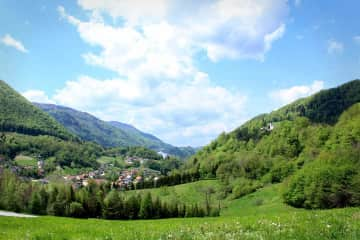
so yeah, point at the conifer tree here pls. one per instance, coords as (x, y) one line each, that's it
(35, 203)
(112, 206)
(146, 206)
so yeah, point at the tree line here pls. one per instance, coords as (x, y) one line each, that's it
(92, 201)
(175, 178)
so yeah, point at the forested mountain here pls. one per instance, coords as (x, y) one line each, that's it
(109, 134)
(153, 142)
(312, 144)
(19, 115)
(26, 129)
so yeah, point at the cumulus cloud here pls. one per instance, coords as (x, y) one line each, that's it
(335, 47)
(8, 40)
(37, 96)
(134, 12)
(152, 49)
(222, 28)
(181, 112)
(288, 95)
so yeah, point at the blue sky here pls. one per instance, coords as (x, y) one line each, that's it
(182, 71)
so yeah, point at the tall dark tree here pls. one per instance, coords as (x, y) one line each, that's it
(146, 206)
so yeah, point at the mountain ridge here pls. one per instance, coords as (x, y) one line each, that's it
(299, 145)
(17, 114)
(111, 133)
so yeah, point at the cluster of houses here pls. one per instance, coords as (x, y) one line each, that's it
(135, 176)
(126, 179)
(39, 167)
(131, 160)
(82, 180)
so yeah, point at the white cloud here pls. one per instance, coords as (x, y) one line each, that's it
(288, 95)
(298, 3)
(193, 111)
(357, 39)
(239, 29)
(134, 12)
(271, 37)
(335, 47)
(152, 48)
(37, 96)
(222, 28)
(8, 40)
(87, 92)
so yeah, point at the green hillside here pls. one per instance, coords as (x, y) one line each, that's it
(88, 127)
(311, 144)
(189, 193)
(19, 115)
(260, 215)
(153, 142)
(109, 134)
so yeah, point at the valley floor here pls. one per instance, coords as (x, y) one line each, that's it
(260, 215)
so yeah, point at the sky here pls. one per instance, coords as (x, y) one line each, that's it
(182, 70)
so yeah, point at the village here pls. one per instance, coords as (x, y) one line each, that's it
(128, 178)
(131, 174)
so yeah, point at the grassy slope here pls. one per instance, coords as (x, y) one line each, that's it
(262, 202)
(106, 159)
(241, 220)
(25, 161)
(334, 224)
(189, 193)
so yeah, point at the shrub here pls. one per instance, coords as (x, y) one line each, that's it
(322, 185)
(244, 186)
(281, 170)
(76, 210)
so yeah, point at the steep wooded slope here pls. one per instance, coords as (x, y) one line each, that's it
(19, 115)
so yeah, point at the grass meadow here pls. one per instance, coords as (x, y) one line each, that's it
(260, 215)
(25, 161)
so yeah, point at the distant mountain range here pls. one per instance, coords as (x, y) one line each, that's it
(109, 134)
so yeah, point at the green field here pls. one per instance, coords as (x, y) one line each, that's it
(263, 202)
(333, 224)
(189, 193)
(25, 161)
(108, 160)
(260, 215)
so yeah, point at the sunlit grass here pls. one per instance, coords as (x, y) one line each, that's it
(25, 161)
(330, 224)
(189, 193)
(108, 160)
(260, 215)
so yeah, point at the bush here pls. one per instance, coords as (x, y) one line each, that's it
(281, 170)
(323, 185)
(244, 186)
(76, 210)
